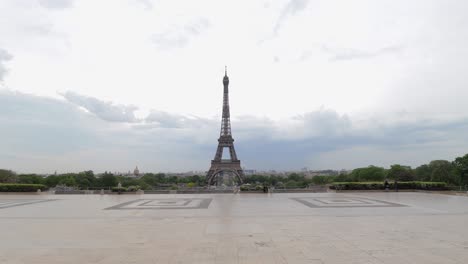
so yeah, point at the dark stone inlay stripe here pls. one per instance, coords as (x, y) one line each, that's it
(13, 203)
(361, 200)
(351, 201)
(165, 201)
(205, 203)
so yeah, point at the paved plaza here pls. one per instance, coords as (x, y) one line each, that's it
(378, 227)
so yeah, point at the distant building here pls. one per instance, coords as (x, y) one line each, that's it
(136, 172)
(249, 172)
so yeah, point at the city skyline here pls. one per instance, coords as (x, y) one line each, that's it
(382, 85)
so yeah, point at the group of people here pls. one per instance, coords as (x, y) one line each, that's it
(387, 185)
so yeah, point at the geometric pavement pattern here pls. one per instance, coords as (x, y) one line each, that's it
(168, 203)
(6, 203)
(344, 202)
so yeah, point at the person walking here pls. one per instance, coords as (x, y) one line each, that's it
(386, 185)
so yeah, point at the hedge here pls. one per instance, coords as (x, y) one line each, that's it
(132, 188)
(251, 188)
(121, 189)
(17, 187)
(414, 185)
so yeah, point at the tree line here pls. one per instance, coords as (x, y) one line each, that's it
(88, 180)
(451, 172)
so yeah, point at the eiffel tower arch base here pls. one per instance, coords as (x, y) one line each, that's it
(224, 167)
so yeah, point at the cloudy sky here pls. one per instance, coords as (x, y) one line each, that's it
(110, 84)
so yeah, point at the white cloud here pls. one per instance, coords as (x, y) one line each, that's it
(290, 9)
(357, 54)
(56, 4)
(168, 120)
(351, 57)
(178, 36)
(4, 57)
(105, 110)
(43, 134)
(147, 4)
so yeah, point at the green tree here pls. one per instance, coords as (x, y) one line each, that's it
(173, 180)
(108, 180)
(161, 178)
(145, 186)
(197, 179)
(442, 171)
(400, 173)
(8, 176)
(152, 179)
(291, 184)
(67, 180)
(274, 179)
(264, 179)
(461, 168)
(322, 180)
(85, 179)
(295, 177)
(423, 173)
(148, 179)
(30, 179)
(128, 181)
(52, 180)
(342, 177)
(371, 173)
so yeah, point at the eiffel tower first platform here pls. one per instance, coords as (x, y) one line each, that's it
(222, 164)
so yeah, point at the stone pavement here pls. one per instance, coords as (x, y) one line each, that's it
(235, 228)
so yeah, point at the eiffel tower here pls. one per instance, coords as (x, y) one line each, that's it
(220, 164)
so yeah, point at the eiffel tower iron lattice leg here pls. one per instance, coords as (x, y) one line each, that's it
(220, 164)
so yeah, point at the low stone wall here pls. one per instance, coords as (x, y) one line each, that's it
(195, 191)
(82, 192)
(300, 190)
(186, 191)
